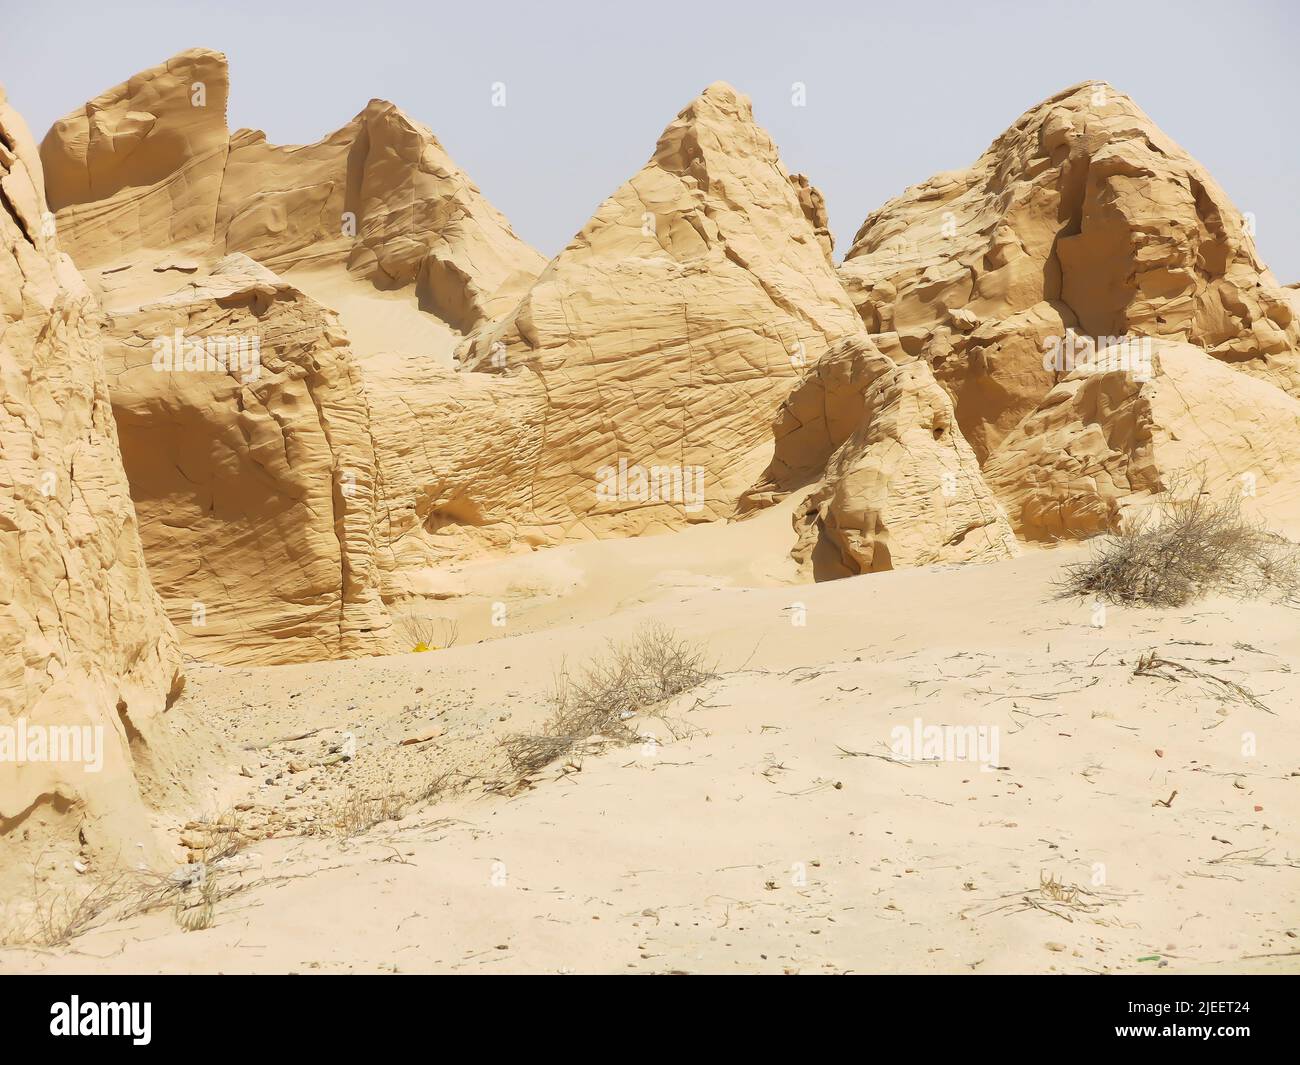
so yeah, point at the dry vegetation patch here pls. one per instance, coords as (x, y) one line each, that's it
(420, 632)
(591, 708)
(1187, 545)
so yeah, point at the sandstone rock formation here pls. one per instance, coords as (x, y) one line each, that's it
(246, 436)
(88, 650)
(666, 334)
(455, 453)
(1105, 439)
(631, 385)
(1082, 215)
(894, 482)
(382, 197)
(141, 165)
(657, 348)
(258, 497)
(151, 166)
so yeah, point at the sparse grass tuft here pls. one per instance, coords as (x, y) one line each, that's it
(1187, 545)
(200, 911)
(361, 811)
(591, 708)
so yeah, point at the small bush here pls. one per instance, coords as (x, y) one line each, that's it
(421, 633)
(597, 702)
(56, 916)
(1187, 545)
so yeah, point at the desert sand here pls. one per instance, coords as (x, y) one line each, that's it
(745, 837)
(318, 482)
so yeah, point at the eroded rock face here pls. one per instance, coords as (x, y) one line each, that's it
(1082, 216)
(141, 165)
(456, 453)
(417, 217)
(1105, 439)
(246, 436)
(151, 166)
(632, 389)
(664, 337)
(87, 647)
(894, 483)
(258, 496)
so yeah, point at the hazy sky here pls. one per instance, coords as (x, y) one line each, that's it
(895, 90)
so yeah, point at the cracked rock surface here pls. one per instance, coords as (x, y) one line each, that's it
(1085, 216)
(87, 645)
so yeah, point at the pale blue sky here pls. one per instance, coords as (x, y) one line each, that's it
(895, 90)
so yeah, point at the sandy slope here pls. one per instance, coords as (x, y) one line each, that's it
(380, 324)
(753, 842)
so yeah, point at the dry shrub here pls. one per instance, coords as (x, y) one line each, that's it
(220, 836)
(196, 913)
(423, 633)
(593, 706)
(1057, 898)
(361, 811)
(1187, 545)
(56, 915)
